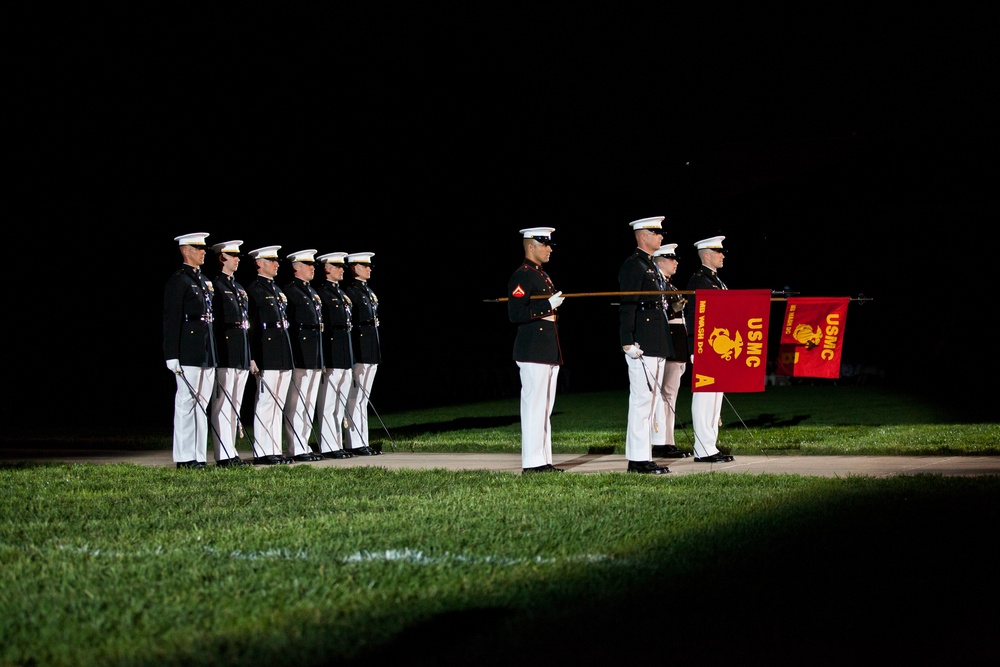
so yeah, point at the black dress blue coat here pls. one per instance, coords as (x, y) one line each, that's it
(364, 331)
(187, 318)
(338, 352)
(305, 320)
(231, 314)
(270, 345)
(642, 318)
(537, 339)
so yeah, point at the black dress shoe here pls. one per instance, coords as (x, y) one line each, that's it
(647, 467)
(270, 460)
(669, 452)
(548, 467)
(360, 451)
(308, 456)
(338, 454)
(191, 464)
(718, 457)
(235, 462)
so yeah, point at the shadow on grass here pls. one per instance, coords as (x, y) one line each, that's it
(766, 420)
(858, 577)
(457, 424)
(858, 571)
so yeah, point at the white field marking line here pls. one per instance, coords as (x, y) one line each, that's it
(406, 555)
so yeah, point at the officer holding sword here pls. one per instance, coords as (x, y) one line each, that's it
(644, 334)
(189, 349)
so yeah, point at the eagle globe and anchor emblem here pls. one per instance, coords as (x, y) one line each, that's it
(726, 346)
(807, 336)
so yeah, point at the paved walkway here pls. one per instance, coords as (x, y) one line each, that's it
(820, 466)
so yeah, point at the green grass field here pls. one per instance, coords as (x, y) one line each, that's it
(129, 565)
(823, 419)
(792, 419)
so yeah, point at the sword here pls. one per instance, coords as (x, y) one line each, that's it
(208, 415)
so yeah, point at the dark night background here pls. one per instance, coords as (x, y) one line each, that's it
(846, 154)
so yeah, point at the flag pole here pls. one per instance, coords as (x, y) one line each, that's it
(785, 295)
(861, 298)
(579, 294)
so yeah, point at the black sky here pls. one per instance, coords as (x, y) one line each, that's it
(843, 154)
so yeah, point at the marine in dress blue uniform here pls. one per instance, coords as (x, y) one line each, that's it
(644, 335)
(367, 352)
(271, 350)
(189, 350)
(230, 306)
(537, 352)
(338, 353)
(665, 402)
(706, 406)
(305, 330)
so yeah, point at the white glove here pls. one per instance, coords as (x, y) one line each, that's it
(634, 351)
(692, 359)
(174, 365)
(556, 299)
(253, 367)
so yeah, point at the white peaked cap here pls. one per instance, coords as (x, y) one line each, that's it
(267, 252)
(197, 238)
(303, 256)
(332, 258)
(228, 246)
(360, 257)
(715, 242)
(647, 223)
(537, 232)
(668, 250)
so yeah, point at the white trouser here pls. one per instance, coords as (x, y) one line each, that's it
(331, 405)
(300, 409)
(538, 397)
(272, 387)
(645, 377)
(665, 403)
(194, 391)
(230, 384)
(706, 408)
(357, 405)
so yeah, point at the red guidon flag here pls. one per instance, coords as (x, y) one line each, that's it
(812, 336)
(730, 340)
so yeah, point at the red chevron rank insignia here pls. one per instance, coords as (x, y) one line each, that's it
(518, 292)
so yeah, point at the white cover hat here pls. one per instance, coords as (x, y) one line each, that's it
(332, 258)
(714, 243)
(538, 233)
(648, 223)
(267, 252)
(232, 247)
(197, 239)
(303, 256)
(668, 250)
(360, 257)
